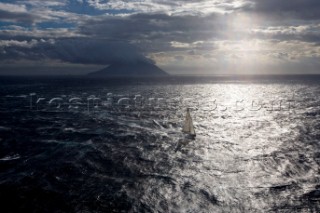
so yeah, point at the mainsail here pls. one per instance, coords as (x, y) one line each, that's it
(188, 125)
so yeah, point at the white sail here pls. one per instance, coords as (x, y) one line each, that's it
(188, 125)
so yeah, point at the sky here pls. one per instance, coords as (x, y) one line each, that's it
(182, 37)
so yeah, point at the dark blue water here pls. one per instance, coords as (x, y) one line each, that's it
(115, 145)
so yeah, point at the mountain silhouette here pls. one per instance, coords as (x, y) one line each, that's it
(130, 69)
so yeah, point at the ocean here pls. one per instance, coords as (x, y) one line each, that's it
(74, 144)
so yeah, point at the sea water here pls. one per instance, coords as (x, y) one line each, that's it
(115, 145)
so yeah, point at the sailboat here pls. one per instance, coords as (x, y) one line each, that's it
(188, 127)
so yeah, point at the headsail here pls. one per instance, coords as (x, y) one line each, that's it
(188, 125)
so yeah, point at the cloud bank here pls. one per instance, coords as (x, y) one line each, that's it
(207, 36)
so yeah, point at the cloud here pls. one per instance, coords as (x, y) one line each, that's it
(155, 27)
(179, 57)
(13, 8)
(34, 11)
(45, 3)
(170, 7)
(14, 43)
(298, 9)
(15, 13)
(21, 33)
(308, 33)
(80, 51)
(213, 33)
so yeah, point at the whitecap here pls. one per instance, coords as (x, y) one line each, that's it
(3, 128)
(10, 157)
(69, 129)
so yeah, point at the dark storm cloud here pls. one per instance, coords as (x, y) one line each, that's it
(157, 27)
(22, 17)
(117, 30)
(299, 9)
(154, 32)
(83, 51)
